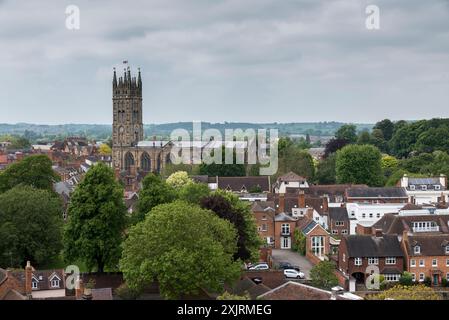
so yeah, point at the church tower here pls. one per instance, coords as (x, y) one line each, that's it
(127, 127)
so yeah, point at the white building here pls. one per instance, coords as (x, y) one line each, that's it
(290, 180)
(367, 214)
(426, 190)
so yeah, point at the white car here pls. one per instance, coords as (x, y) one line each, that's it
(292, 273)
(259, 266)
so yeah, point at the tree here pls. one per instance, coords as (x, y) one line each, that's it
(364, 138)
(193, 192)
(386, 127)
(229, 296)
(359, 164)
(105, 149)
(389, 165)
(399, 292)
(406, 279)
(170, 168)
(154, 192)
(299, 242)
(333, 146)
(227, 206)
(325, 173)
(179, 179)
(35, 171)
(182, 247)
(30, 228)
(223, 170)
(323, 275)
(347, 132)
(96, 220)
(298, 161)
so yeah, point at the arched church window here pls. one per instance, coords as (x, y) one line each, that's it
(145, 162)
(129, 160)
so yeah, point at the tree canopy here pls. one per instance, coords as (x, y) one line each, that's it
(96, 220)
(323, 275)
(31, 226)
(359, 164)
(35, 171)
(182, 247)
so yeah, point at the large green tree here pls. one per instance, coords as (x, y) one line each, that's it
(359, 164)
(30, 226)
(296, 160)
(96, 220)
(347, 132)
(182, 247)
(154, 192)
(325, 173)
(35, 171)
(227, 206)
(386, 127)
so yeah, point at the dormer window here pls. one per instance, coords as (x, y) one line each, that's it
(412, 187)
(33, 284)
(437, 187)
(424, 187)
(417, 250)
(55, 283)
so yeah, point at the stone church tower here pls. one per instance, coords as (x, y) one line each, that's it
(127, 128)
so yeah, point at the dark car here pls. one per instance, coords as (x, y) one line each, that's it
(287, 265)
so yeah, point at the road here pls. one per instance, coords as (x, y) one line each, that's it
(294, 258)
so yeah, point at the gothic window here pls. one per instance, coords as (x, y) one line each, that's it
(129, 160)
(145, 162)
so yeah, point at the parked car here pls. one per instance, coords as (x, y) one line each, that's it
(292, 273)
(259, 266)
(287, 265)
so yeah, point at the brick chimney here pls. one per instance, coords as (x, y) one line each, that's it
(281, 204)
(79, 288)
(28, 278)
(301, 199)
(325, 204)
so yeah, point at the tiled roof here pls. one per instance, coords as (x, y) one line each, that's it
(387, 192)
(44, 278)
(371, 246)
(430, 245)
(395, 224)
(239, 184)
(290, 177)
(298, 291)
(332, 190)
(259, 206)
(283, 217)
(338, 213)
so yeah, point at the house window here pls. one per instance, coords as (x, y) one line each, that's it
(437, 187)
(378, 215)
(447, 262)
(424, 187)
(358, 261)
(447, 250)
(390, 260)
(363, 215)
(344, 257)
(264, 218)
(373, 260)
(370, 215)
(55, 283)
(421, 263)
(412, 187)
(318, 246)
(434, 262)
(339, 223)
(264, 227)
(413, 263)
(413, 277)
(334, 231)
(421, 277)
(392, 277)
(285, 228)
(33, 284)
(447, 276)
(352, 213)
(417, 249)
(344, 231)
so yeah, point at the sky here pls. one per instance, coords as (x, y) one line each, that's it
(226, 60)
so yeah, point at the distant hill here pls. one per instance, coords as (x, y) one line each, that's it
(102, 131)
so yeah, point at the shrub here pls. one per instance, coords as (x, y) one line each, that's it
(406, 279)
(126, 293)
(427, 281)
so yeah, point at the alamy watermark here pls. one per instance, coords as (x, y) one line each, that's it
(207, 147)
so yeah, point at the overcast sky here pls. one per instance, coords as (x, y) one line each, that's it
(226, 60)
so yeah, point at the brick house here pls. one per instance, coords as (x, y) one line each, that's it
(264, 214)
(360, 255)
(319, 243)
(284, 226)
(427, 256)
(338, 221)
